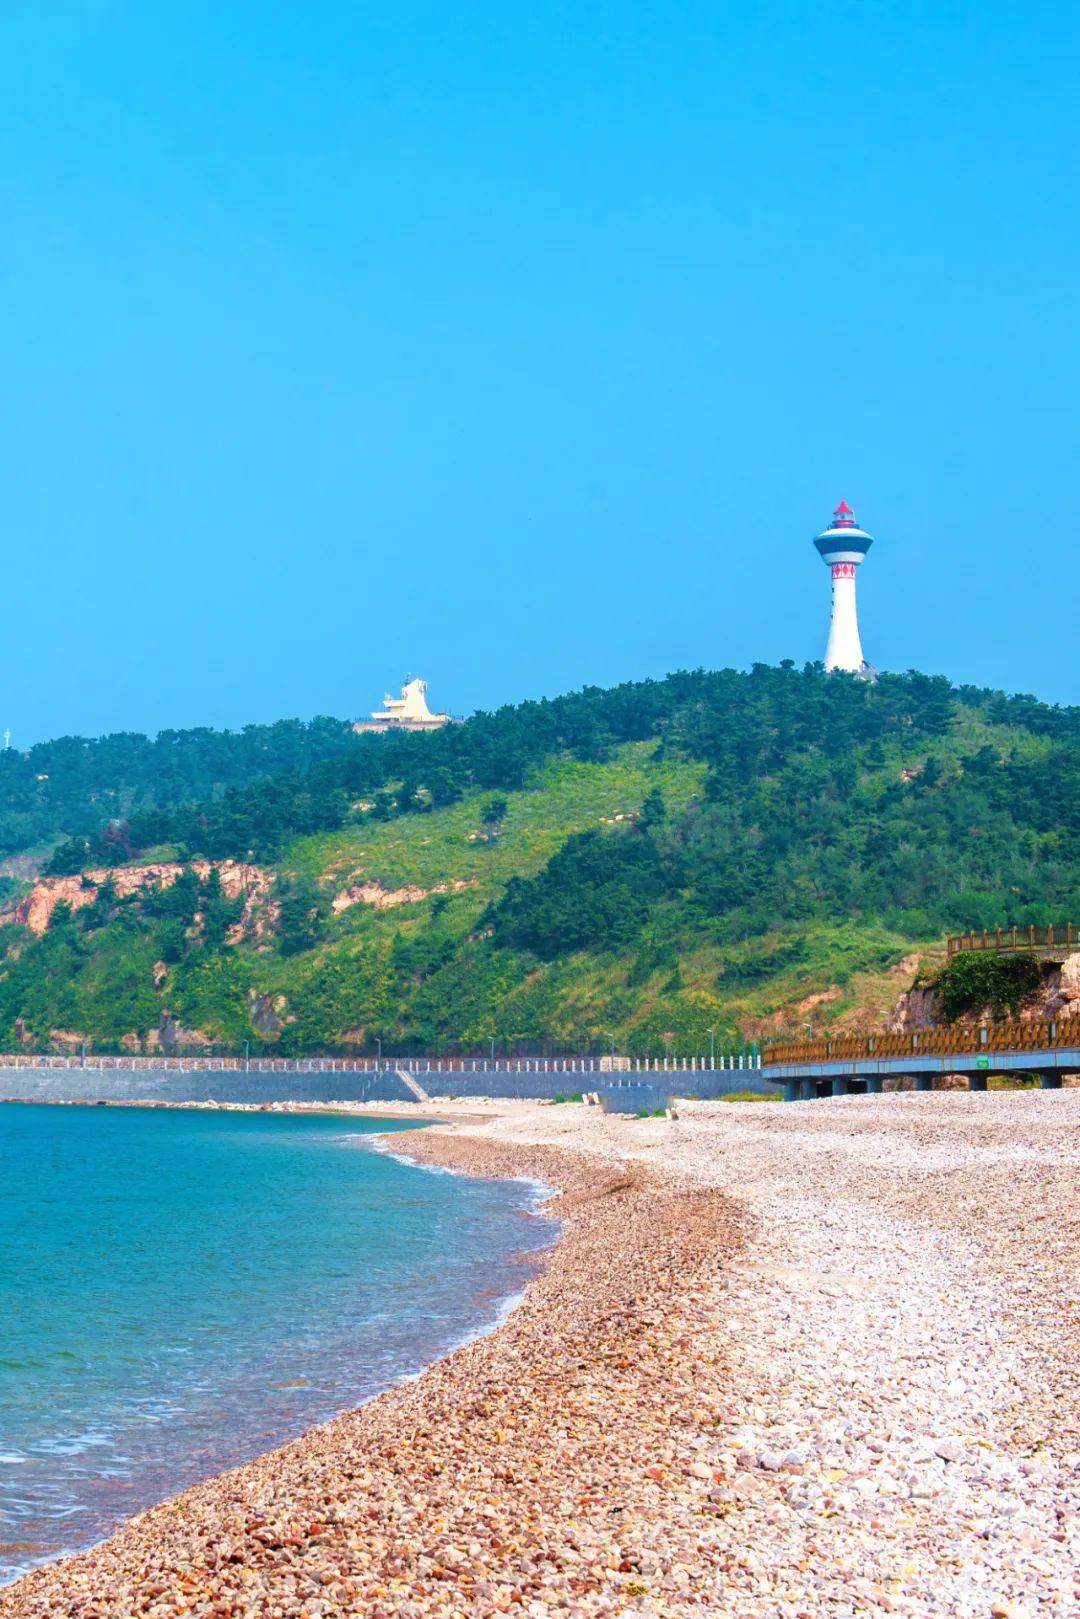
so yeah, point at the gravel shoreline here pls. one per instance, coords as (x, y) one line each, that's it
(799, 1361)
(484, 1486)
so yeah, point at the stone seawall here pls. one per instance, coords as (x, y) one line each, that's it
(621, 1093)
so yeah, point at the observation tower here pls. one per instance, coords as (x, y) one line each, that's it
(843, 545)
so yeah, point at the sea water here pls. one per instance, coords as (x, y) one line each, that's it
(181, 1290)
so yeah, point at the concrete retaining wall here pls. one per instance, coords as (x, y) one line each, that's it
(620, 1093)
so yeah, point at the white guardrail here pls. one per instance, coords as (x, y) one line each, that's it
(374, 1065)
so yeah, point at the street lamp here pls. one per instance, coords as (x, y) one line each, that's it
(378, 1045)
(712, 1047)
(493, 1050)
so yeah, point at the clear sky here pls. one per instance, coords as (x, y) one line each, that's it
(523, 345)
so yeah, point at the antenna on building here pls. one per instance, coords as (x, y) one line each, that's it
(7, 738)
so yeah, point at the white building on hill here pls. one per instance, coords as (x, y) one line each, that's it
(409, 712)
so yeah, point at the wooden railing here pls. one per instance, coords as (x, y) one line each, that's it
(1056, 936)
(1010, 1034)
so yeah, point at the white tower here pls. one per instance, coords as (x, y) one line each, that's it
(843, 546)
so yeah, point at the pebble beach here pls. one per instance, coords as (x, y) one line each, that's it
(801, 1360)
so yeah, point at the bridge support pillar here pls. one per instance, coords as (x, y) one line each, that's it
(1051, 1079)
(873, 1084)
(977, 1082)
(840, 1087)
(808, 1088)
(924, 1082)
(791, 1090)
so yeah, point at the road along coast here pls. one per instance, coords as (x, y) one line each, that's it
(801, 1361)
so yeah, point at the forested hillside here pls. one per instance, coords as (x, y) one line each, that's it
(732, 852)
(74, 786)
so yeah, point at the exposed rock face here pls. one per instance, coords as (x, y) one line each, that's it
(1058, 995)
(916, 1009)
(171, 1036)
(384, 899)
(35, 909)
(264, 1018)
(65, 1040)
(773, 1023)
(1069, 980)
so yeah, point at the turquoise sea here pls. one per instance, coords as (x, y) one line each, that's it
(181, 1290)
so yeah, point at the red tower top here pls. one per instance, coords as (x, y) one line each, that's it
(843, 516)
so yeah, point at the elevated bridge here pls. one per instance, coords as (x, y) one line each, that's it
(1044, 1049)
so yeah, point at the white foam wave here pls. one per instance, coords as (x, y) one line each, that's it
(381, 1144)
(542, 1192)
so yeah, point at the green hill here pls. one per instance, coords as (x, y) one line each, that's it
(72, 786)
(744, 853)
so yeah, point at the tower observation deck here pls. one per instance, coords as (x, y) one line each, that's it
(842, 546)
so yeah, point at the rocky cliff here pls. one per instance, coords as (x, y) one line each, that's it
(1058, 995)
(34, 910)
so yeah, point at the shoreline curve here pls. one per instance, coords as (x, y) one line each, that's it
(421, 1494)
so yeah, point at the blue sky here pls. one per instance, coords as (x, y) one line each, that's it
(527, 345)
